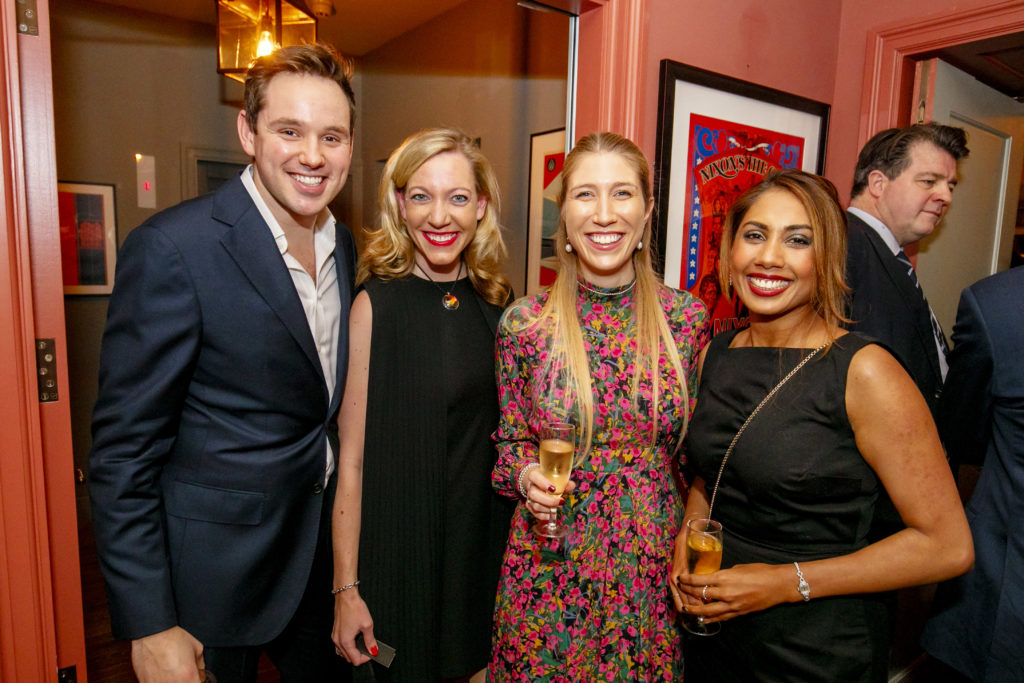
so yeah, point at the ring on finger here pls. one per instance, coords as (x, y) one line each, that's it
(704, 593)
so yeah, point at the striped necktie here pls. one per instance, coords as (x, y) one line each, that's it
(940, 338)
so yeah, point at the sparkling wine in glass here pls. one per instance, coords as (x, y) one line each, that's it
(557, 445)
(703, 556)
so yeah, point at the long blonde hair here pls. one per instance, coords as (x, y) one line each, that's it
(390, 252)
(559, 314)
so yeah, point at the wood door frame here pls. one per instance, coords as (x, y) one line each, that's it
(41, 621)
(889, 63)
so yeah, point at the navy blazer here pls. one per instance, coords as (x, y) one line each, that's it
(978, 627)
(211, 428)
(885, 305)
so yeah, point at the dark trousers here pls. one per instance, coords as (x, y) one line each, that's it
(304, 652)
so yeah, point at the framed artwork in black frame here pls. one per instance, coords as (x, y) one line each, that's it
(717, 136)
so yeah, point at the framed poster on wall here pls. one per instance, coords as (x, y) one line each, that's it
(547, 156)
(88, 237)
(717, 136)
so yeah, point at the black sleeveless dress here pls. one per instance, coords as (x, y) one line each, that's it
(794, 488)
(433, 530)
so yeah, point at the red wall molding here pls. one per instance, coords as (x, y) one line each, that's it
(615, 31)
(27, 640)
(889, 67)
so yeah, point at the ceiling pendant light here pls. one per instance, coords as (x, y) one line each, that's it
(321, 8)
(247, 29)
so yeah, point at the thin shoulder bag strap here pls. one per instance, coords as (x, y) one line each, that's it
(750, 417)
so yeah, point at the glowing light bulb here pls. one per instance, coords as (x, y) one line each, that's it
(265, 45)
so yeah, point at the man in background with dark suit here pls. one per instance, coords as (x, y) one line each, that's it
(978, 628)
(222, 368)
(902, 186)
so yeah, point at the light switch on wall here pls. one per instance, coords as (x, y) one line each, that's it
(145, 175)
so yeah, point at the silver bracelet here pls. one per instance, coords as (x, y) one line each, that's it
(344, 588)
(522, 476)
(803, 587)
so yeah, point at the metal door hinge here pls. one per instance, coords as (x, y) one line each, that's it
(46, 367)
(28, 17)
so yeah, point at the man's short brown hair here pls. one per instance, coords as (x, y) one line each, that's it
(889, 150)
(317, 59)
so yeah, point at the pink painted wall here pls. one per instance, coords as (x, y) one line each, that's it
(813, 48)
(588, 76)
(858, 18)
(785, 44)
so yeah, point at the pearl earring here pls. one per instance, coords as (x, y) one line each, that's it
(639, 245)
(568, 248)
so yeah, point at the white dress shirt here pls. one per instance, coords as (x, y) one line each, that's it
(320, 299)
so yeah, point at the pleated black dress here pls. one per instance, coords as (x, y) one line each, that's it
(433, 530)
(794, 489)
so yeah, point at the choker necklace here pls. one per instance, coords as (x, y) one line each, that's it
(449, 300)
(610, 292)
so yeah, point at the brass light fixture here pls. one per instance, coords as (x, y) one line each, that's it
(247, 29)
(321, 8)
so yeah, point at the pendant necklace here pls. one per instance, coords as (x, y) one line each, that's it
(449, 300)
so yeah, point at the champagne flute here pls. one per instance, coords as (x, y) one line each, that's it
(557, 443)
(703, 556)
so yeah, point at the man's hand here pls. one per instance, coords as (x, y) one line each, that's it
(171, 656)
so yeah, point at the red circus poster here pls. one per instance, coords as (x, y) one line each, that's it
(725, 159)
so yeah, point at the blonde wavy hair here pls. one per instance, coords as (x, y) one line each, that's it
(559, 312)
(390, 252)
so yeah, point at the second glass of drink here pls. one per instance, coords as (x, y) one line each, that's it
(703, 556)
(557, 445)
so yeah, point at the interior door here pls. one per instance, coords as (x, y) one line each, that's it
(41, 620)
(975, 238)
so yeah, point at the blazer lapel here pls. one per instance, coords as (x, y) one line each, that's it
(345, 266)
(911, 296)
(893, 268)
(252, 246)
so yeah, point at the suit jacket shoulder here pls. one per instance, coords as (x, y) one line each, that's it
(885, 305)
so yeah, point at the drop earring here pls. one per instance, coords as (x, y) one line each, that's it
(568, 248)
(639, 245)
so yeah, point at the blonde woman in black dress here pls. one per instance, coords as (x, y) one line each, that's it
(418, 532)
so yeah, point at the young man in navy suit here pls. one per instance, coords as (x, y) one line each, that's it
(222, 368)
(902, 186)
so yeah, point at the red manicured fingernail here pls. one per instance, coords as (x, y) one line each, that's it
(551, 489)
(561, 502)
(373, 650)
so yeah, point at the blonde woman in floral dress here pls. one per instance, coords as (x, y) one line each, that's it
(613, 351)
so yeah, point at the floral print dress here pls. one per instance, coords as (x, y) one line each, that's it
(594, 606)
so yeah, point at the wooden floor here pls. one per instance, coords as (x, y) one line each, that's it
(108, 660)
